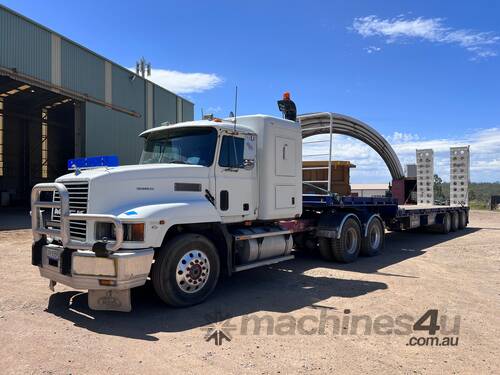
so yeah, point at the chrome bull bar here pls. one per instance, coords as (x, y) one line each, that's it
(63, 232)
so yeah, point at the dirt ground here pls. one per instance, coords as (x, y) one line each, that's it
(301, 300)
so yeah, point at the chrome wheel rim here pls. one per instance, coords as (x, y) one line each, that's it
(192, 271)
(351, 241)
(375, 237)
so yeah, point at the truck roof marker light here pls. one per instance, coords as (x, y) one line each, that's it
(217, 120)
(286, 95)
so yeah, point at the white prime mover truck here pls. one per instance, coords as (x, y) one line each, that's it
(208, 197)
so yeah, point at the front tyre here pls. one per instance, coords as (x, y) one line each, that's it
(186, 270)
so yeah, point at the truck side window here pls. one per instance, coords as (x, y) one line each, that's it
(231, 152)
(238, 152)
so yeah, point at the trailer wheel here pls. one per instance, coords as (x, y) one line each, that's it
(374, 240)
(186, 270)
(462, 220)
(454, 221)
(445, 226)
(346, 248)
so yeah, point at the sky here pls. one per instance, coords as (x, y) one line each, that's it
(425, 74)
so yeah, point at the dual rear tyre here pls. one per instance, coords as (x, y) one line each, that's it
(351, 243)
(452, 221)
(374, 240)
(462, 219)
(445, 225)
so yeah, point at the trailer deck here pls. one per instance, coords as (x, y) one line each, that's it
(404, 210)
(394, 215)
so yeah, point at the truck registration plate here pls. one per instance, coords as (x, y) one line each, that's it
(53, 254)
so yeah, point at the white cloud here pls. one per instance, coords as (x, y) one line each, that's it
(484, 146)
(481, 44)
(184, 83)
(372, 49)
(215, 109)
(398, 137)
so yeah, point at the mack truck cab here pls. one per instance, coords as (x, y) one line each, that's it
(207, 198)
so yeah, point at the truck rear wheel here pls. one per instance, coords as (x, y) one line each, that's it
(374, 240)
(325, 249)
(305, 242)
(454, 221)
(462, 220)
(346, 248)
(186, 270)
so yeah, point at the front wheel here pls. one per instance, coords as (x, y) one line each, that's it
(186, 270)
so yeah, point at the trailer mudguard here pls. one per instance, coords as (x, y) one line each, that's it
(330, 223)
(160, 217)
(365, 218)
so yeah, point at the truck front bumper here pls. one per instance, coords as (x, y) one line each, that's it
(81, 269)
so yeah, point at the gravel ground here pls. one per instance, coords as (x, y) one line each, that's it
(303, 299)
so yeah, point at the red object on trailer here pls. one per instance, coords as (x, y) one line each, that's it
(398, 190)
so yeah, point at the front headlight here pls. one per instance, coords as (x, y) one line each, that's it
(131, 232)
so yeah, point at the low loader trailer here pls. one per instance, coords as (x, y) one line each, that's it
(208, 197)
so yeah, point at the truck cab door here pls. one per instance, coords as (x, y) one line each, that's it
(236, 177)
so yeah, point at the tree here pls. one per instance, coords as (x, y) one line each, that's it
(439, 195)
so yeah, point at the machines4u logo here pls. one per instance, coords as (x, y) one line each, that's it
(439, 329)
(430, 323)
(219, 329)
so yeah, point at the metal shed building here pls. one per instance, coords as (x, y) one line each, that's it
(59, 100)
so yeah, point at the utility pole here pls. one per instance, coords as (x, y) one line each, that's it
(143, 68)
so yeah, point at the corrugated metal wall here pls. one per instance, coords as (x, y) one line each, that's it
(24, 46)
(164, 106)
(187, 111)
(27, 46)
(81, 71)
(110, 132)
(127, 93)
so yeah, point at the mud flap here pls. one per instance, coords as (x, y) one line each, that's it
(110, 300)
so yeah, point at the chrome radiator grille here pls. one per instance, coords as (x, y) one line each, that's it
(78, 201)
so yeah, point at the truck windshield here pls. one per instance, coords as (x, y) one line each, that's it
(182, 146)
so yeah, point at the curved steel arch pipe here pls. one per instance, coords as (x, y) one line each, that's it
(329, 122)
